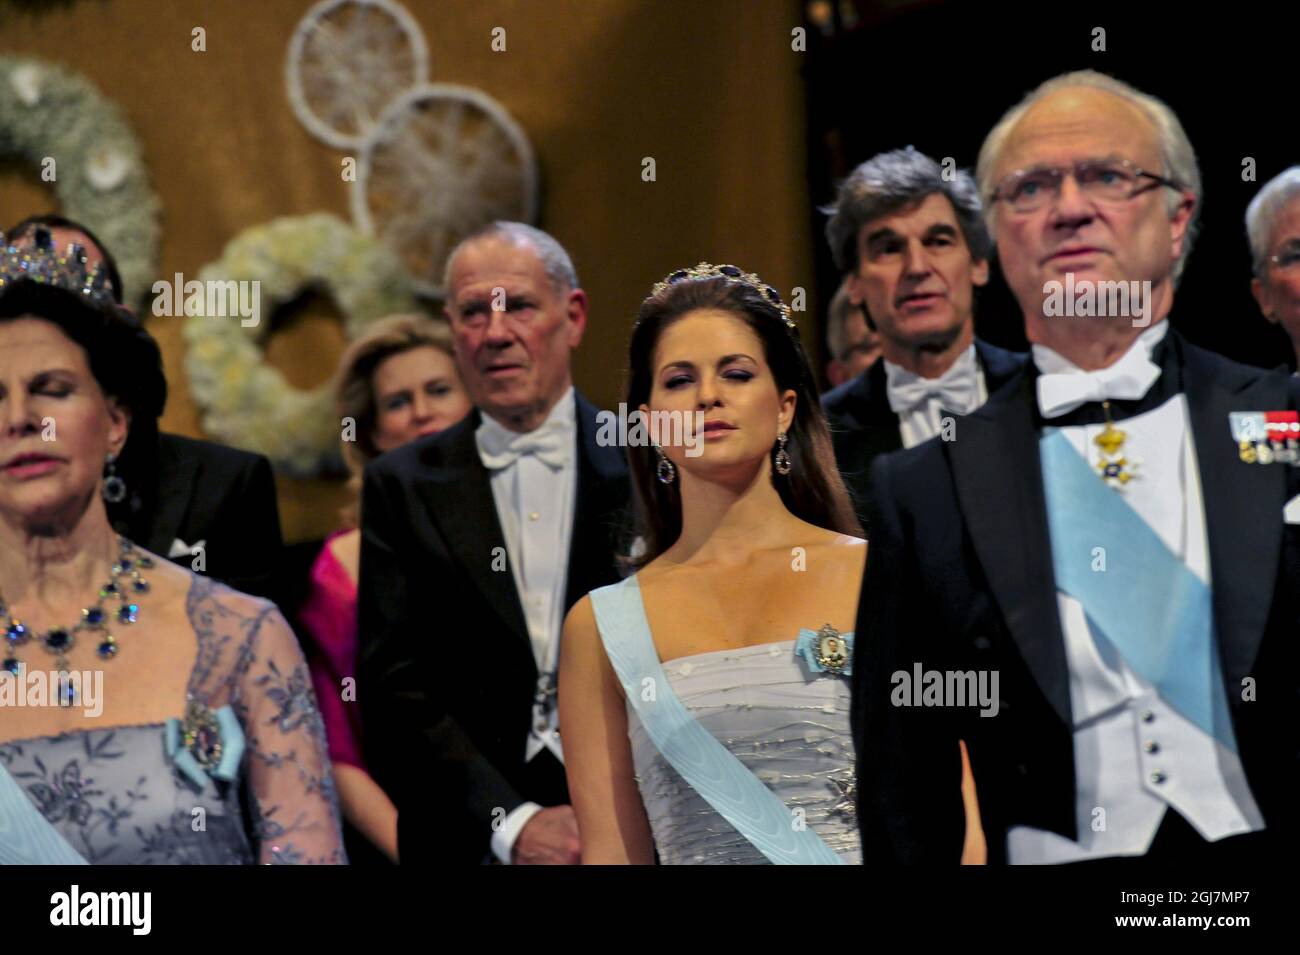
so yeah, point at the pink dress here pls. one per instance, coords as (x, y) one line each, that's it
(329, 615)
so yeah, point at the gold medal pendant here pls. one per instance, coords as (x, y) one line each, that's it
(1115, 468)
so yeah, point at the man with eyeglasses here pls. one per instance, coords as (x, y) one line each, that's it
(851, 337)
(1096, 536)
(1273, 229)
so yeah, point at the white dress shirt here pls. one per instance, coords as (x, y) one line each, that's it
(535, 504)
(1135, 756)
(918, 401)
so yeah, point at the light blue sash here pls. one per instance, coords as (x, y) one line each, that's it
(1146, 603)
(26, 838)
(705, 764)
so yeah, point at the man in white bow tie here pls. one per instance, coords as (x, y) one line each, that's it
(475, 543)
(913, 245)
(1096, 535)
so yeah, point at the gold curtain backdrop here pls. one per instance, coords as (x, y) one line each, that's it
(598, 85)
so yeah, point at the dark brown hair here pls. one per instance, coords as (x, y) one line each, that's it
(813, 490)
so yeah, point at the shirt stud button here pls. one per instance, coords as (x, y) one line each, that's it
(1151, 746)
(534, 516)
(1158, 777)
(1148, 716)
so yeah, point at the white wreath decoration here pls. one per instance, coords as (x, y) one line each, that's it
(445, 159)
(340, 73)
(246, 402)
(48, 112)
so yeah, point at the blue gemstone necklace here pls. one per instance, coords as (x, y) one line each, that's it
(122, 588)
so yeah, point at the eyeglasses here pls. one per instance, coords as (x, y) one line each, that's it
(1102, 180)
(1288, 259)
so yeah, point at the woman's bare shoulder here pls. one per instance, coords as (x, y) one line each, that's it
(841, 555)
(823, 538)
(581, 617)
(664, 571)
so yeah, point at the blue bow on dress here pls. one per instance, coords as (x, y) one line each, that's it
(826, 650)
(208, 744)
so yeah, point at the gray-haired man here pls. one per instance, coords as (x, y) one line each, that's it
(913, 245)
(1104, 539)
(475, 543)
(1273, 228)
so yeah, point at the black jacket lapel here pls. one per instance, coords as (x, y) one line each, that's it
(862, 424)
(999, 365)
(601, 497)
(177, 475)
(999, 480)
(1243, 504)
(458, 495)
(880, 431)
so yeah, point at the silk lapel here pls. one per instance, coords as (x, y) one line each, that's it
(602, 493)
(458, 495)
(176, 484)
(866, 427)
(880, 434)
(999, 365)
(999, 482)
(1243, 506)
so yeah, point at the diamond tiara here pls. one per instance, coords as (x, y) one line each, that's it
(43, 262)
(732, 273)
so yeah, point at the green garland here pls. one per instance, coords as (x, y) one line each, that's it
(245, 401)
(100, 179)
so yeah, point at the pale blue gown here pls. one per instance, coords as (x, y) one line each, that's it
(784, 721)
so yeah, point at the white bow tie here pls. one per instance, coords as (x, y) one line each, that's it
(1128, 379)
(498, 448)
(957, 390)
(181, 549)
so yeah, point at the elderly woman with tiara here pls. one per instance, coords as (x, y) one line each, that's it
(151, 715)
(704, 698)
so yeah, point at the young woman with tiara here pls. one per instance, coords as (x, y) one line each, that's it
(740, 546)
(705, 699)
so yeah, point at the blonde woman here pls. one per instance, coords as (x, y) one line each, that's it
(398, 382)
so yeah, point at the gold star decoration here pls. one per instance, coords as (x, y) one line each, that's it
(1117, 469)
(1113, 467)
(1110, 440)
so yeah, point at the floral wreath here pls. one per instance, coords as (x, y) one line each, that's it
(48, 112)
(243, 400)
